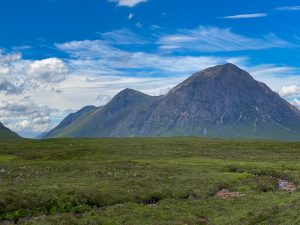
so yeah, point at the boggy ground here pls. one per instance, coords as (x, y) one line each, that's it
(148, 181)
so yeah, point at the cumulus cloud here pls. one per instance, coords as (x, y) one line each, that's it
(288, 91)
(10, 88)
(12, 78)
(18, 75)
(127, 3)
(214, 39)
(23, 115)
(49, 70)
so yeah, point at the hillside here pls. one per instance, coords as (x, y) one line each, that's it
(7, 134)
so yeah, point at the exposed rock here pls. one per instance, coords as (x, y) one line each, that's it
(286, 186)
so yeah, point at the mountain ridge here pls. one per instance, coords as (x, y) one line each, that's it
(221, 101)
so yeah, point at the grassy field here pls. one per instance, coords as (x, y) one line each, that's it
(147, 181)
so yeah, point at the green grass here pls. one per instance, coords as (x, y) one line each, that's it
(147, 181)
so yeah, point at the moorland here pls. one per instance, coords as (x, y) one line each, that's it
(148, 181)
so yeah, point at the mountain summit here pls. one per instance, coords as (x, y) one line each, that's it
(222, 101)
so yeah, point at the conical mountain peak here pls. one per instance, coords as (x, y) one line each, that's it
(223, 76)
(227, 70)
(129, 90)
(127, 98)
(129, 95)
(224, 67)
(229, 66)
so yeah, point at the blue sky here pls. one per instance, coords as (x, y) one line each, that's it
(57, 56)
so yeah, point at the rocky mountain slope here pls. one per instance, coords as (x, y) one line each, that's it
(223, 101)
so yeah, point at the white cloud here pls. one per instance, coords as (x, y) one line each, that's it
(19, 78)
(9, 58)
(18, 75)
(49, 70)
(288, 91)
(127, 3)
(275, 76)
(103, 98)
(88, 49)
(12, 73)
(9, 87)
(4, 70)
(274, 70)
(214, 39)
(97, 52)
(246, 16)
(130, 16)
(289, 8)
(23, 115)
(123, 37)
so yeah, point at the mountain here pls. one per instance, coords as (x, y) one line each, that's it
(7, 134)
(102, 121)
(68, 121)
(222, 101)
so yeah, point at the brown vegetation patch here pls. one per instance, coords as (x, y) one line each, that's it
(224, 194)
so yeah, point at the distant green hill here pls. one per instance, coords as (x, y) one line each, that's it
(7, 134)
